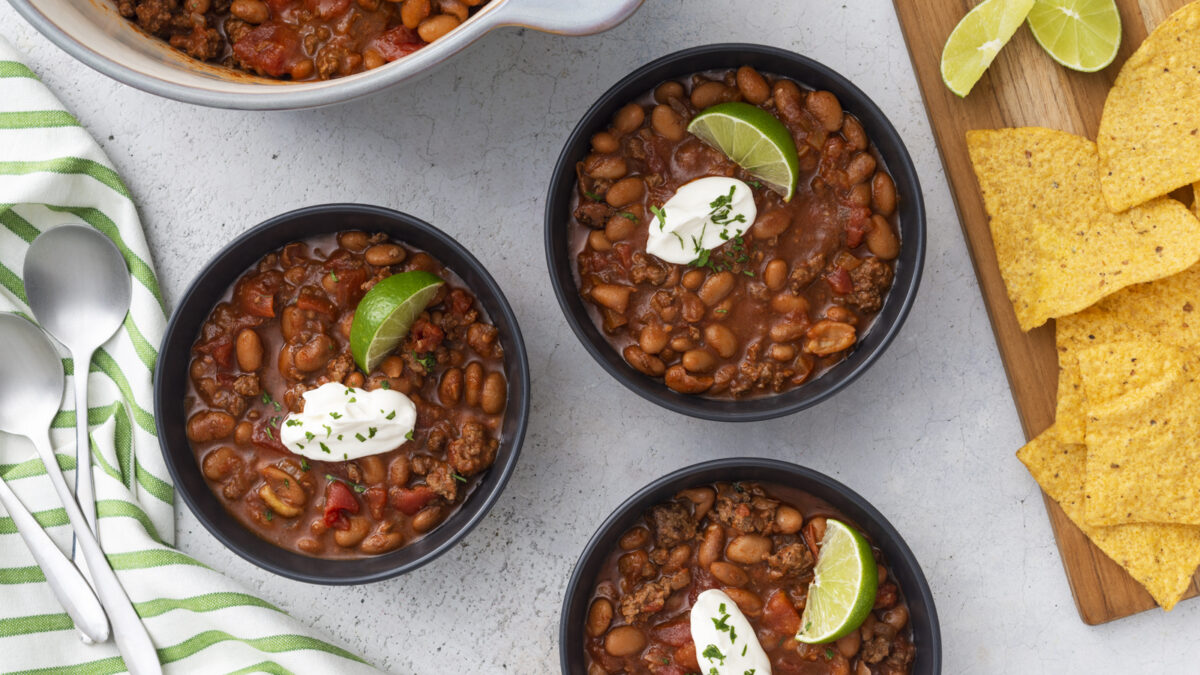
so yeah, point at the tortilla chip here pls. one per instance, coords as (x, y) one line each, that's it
(1059, 248)
(1165, 311)
(1143, 433)
(1149, 139)
(1160, 557)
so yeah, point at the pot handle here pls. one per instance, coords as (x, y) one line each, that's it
(576, 17)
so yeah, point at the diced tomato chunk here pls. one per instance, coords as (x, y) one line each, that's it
(266, 436)
(839, 281)
(376, 500)
(312, 299)
(272, 49)
(676, 632)
(425, 336)
(460, 302)
(858, 221)
(221, 349)
(397, 42)
(348, 289)
(409, 501)
(256, 295)
(339, 501)
(780, 614)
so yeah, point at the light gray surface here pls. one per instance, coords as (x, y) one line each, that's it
(928, 435)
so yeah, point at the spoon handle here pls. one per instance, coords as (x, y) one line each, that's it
(134, 643)
(85, 487)
(72, 591)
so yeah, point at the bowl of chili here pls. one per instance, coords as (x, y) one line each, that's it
(338, 520)
(902, 635)
(290, 54)
(784, 315)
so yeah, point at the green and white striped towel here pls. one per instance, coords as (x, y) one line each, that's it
(52, 172)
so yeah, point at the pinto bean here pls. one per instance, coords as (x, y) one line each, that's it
(353, 535)
(716, 287)
(789, 100)
(728, 573)
(314, 354)
(699, 361)
(607, 167)
(691, 307)
(860, 168)
(667, 123)
(250, 11)
(494, 394)
(383, 255)
(625, 191)
(249, 350)
(624, 641)
(636, 537)
(372, 469)
(776, 273)
(384, 539)
(437, 26)
(747, 601)
(752, 85)
(771, 224)
(883, 194)
(786, 303)
(599, 617)
(428, 518)
(702, 498)
(829, 337)
(399, 471)
(709, 94)
(629, 118)
(210, 425)
(473, 383)
(782, 353)
(788, 330)
(619, 227)
(825, 107)
(853, 132)
(848, 645)
(859, 195)
(679, 379)
(220, 463)
(643, 362)
(413, 12)
(243, 434)
(612, 296)
(667, 91)
(291, 322)
(653, 338)
(353, 240)
(721, 339)
(605, 142)
(277, 505)
(788, 520)
(692, 279)
(598, 241)
(748, 549)
(881, 240)
(451, 387)
(711, 545)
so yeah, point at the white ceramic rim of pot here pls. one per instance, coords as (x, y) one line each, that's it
(95, 33)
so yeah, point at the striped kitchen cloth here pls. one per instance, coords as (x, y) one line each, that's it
(52, 172)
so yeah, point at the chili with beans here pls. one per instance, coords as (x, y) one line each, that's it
(282, 330)
(299, 39)
(758, 544)
(768, 310)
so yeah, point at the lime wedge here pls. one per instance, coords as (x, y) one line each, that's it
(1082, 35)
(385, 314)
(977, 39)
(753, 138)
(842, 591)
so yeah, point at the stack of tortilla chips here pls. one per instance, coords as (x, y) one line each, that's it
(1089, 234)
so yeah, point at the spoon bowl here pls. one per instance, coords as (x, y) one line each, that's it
(31, 380)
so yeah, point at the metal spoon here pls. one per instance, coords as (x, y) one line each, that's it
(31, 388)
(79, 291)
(68, 584)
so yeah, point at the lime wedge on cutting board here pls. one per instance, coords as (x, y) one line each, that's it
(1082, 35)
(843, 588)
(754, 139)
(386, 313)
(977, 39)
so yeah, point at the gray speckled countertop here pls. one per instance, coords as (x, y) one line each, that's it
(928, 435)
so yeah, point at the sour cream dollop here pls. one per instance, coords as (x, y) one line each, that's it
(701, 216)
(341, 423)
(725, 640)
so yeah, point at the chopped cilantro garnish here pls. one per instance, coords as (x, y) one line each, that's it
(336, 415)
(304, 466)
(754, 184)
(426, 360)
(390, 416)
(357, 487)
(384, 384)
(333, 275)
(325, 448)
(269, 515)
(713, 654)
(294, 423)
(371, 432)
(270, 433)
(592, 195)
(660, 216)
(361, 438)
(457, 477)
(308, 435)
(628, 216)
(828, 654)
(328, 430)
(409, 435)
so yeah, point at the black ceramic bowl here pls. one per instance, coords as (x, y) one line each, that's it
(911, 217)
(171, 380)
(927, 636)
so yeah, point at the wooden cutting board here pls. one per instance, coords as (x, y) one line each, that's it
(1025, 87)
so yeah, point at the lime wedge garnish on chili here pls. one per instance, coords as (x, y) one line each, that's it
(843, 588)
(977, 39)
(1082, 35)
(385, 314)
(754, 139)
